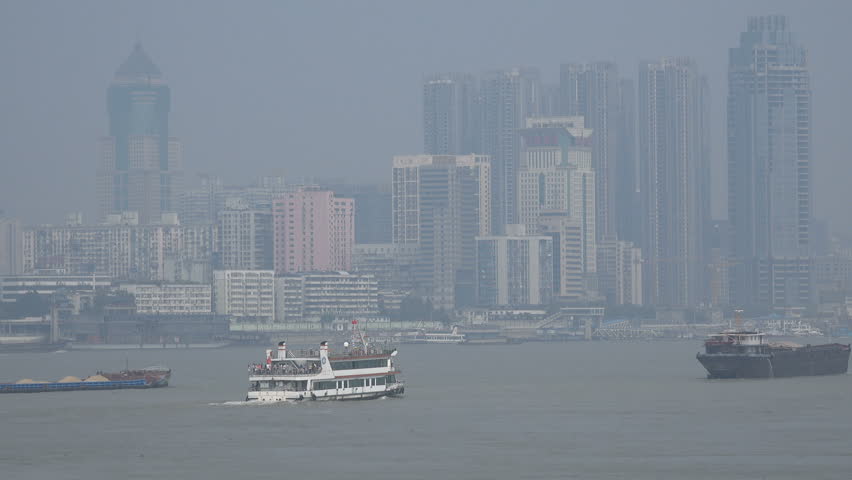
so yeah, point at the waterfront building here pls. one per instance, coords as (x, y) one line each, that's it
(50, 282)
(514, 269)
(245, 295)
(171, 298)
(770, 205)
(140, 166)
(441, 203)
(675, 171)
(314, 230)
(311, 296)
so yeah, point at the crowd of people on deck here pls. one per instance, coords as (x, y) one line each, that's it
(288, 368)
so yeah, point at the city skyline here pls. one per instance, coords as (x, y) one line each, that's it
(214, 157)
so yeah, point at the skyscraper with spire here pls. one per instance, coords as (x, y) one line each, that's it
(140, 166)
(769, 166)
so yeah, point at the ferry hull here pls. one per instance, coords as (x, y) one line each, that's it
(779, 363)
(275, 397)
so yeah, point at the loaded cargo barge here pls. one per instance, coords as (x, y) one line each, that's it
(747, 354)
(151, 377)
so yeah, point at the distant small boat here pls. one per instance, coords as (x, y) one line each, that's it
(432, 337)
(151, 377)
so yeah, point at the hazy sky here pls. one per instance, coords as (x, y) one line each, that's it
(334, 88)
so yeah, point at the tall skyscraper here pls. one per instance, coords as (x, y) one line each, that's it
(674, 163)
(450, 119)
(314, 231)
(508, 97)
(627, 196)
(140, 167)
(441, 203)
(592, 91)
(769, 166)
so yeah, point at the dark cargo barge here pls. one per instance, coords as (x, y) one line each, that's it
(152, 377)
(746, 354)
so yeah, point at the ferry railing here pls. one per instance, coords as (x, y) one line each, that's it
(283, 370)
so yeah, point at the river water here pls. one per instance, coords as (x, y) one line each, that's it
(537, 410)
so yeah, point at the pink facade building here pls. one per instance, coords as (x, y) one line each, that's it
(314, 231)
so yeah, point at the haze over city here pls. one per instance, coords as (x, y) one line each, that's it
(533, 239)
(334, 89)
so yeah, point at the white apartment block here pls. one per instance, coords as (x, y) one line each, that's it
(122, 251)
(309, 296)
(171, 298)
(248, 294)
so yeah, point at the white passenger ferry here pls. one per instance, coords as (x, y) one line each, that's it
(432, 337)
(359, 372)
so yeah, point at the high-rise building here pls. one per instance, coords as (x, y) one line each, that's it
(508, 98)
(514, 269)
(11, 246)
(674, 163)
(441, 203)
(245, 237)
(140, 167)
(769, 166)
(450, 120)
(556, 175)
(592, 91)
(314, 231)
(628, 212)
